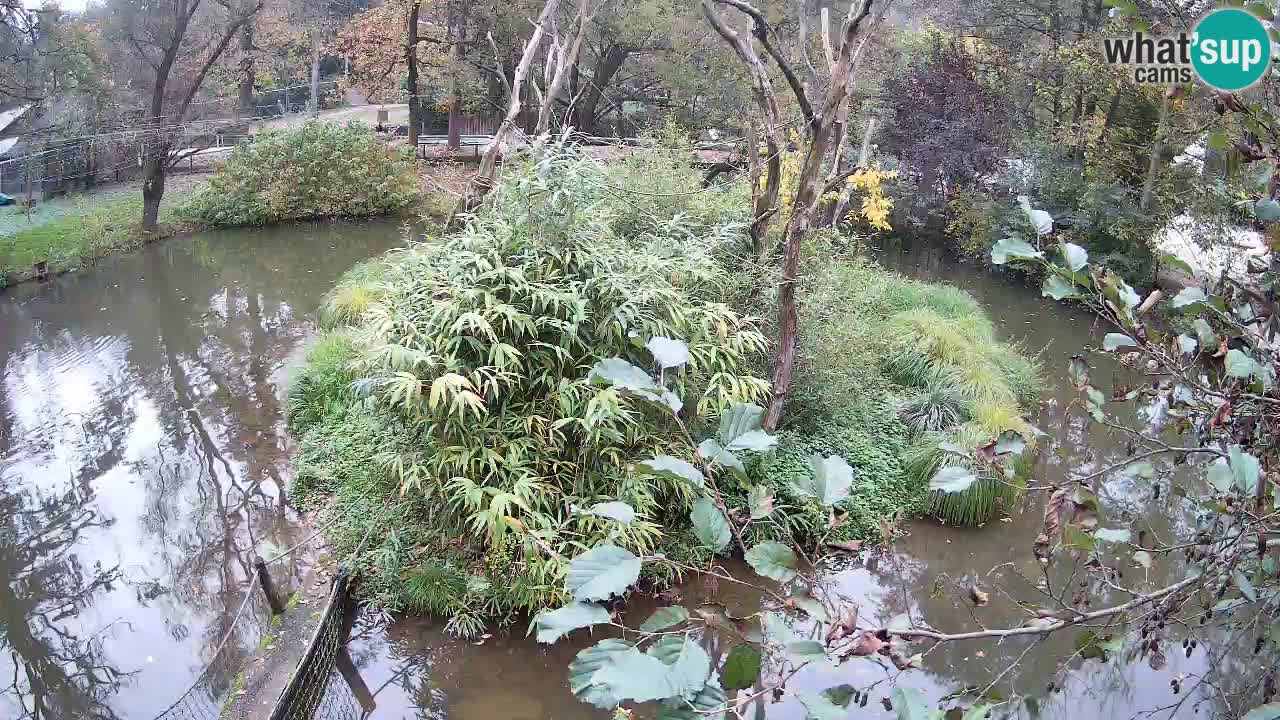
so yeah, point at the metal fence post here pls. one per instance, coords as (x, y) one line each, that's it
(268, 587)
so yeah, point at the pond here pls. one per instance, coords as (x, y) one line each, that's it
(143, 458)
(418, 671)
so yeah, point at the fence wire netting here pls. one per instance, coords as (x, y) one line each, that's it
(317, 690)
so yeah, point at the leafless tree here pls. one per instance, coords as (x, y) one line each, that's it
(178, 42)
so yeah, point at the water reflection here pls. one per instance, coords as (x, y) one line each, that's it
(419, 672)
(143, 461)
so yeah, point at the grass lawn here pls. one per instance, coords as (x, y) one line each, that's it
(88, 229)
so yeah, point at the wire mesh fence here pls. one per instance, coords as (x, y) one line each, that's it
(319, 689)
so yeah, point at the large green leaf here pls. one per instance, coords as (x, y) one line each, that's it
(710, 525)
(1010, 442)
(1188, 296)
(807, 651)
(667, 352)
(614, 510)
(1116, 535)
(1240, 365)
(621, 374)
(760, 501)
(688, 665)
(1204, 331)
(829, 479)
(710, 450)
(583, 669)
(952, 479)
(1074, 256)
(1058, 288)
(663, 618)
(830, 704)
(741, 667)
(757, 440)
(1220, 476)
(633, 675)
(1245, 470)
(602, 572)
(909, 703)
(673, 468)
(774, 561)
(1187, 344)
(740, 429)
(552, 624)
(1245, 587)
(739, 419)
(708, 704)
(1013, 249)
(1114, 341)
(1267, 210)
(1176, 263)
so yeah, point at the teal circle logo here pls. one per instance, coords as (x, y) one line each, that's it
(1231, 49)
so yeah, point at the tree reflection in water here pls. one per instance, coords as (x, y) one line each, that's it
(56, 673)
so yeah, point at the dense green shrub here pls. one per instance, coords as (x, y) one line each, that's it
(931, 351)
(319, 170)
(871, 438)
(474, 352)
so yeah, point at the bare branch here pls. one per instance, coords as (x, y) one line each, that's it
(760, 29)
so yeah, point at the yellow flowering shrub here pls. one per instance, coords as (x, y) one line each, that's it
(876, 206)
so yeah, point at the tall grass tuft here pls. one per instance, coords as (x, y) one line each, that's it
(873, 333)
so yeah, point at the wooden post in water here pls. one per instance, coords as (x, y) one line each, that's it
(268, 587)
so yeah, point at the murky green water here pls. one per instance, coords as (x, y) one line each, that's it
(420, 672)
(143, 455)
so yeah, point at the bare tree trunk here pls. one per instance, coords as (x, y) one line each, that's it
(411, 62)
(248, 72)
(821, 125)
(1157, 149)
(864, 155)
(455, 67)
(153, 178)
(482, 181)
(588, 107)
(565, 65)
(315, 74)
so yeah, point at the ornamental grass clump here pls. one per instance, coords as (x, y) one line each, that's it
(476, 349)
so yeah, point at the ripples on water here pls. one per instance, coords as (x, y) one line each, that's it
(142, 453)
